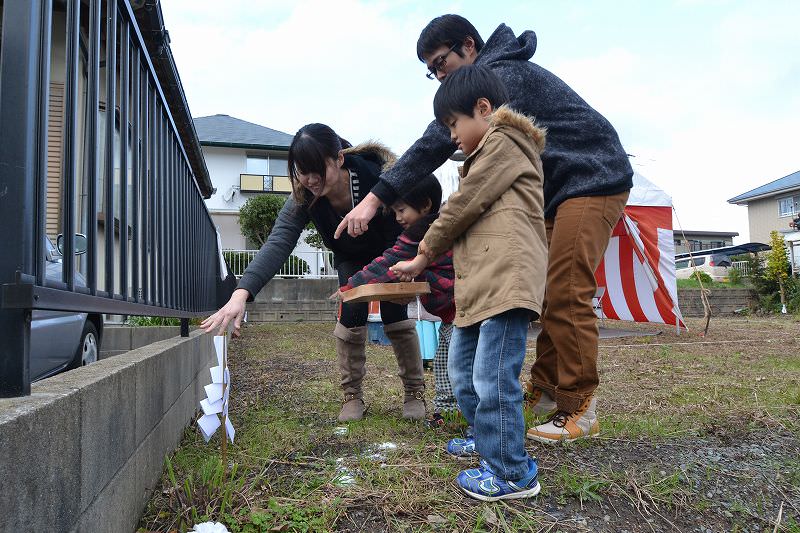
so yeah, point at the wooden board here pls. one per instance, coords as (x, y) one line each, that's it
(386, 291)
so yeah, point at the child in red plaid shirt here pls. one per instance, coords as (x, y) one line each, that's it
(415, 211)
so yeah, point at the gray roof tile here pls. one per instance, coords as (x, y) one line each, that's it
(224, 129)
(789, 182)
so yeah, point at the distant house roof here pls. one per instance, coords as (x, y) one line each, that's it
(695, 233)
(224, 130)
(784, 184)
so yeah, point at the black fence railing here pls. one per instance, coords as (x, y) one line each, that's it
(119, 173)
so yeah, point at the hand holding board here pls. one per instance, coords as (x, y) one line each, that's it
(386, 291)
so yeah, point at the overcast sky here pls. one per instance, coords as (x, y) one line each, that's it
(705, 93)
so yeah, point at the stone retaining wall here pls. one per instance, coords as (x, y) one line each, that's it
(84, 451)
(723, 301)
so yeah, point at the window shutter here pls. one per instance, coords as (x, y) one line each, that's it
(55, 141)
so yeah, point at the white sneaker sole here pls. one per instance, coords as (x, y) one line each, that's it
(545, 440)
(531, 492)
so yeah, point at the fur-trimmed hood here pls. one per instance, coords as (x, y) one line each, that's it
(375, 151)
(505, 116)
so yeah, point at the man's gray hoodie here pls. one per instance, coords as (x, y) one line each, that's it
(583, 155)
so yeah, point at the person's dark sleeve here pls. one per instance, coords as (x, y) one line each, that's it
(426, 155)
(291, 221)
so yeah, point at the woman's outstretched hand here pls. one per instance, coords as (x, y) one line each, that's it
(408, 270)
(233, 310)
(356, 221)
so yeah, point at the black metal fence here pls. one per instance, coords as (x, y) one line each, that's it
(124, 176)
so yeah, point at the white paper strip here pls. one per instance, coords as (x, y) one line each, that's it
(216, 374)
(223, 268)
(211, 408)
(214, 392)
(229, 428)
(219, 347)
(208, 425)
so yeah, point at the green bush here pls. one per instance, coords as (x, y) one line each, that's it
(155, 321)
(258, 215)
(702, 277)
(295, 266)
(734, 276)
(237, 260)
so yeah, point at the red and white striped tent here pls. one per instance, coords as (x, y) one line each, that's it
(637, 274)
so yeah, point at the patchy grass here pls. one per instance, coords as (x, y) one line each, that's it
(696, 431)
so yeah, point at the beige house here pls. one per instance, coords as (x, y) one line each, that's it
(695, 241)
(775, 206)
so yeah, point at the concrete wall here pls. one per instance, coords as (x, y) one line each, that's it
(294, 300)
(121, 339)
(85, 450)
(723, 301)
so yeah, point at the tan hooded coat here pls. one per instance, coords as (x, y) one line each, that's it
(495, 223)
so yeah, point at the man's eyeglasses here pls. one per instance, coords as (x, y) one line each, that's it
(439, 63)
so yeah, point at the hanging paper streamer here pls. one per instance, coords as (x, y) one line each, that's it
(217, 394)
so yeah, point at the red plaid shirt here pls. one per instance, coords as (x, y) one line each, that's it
(439, 273)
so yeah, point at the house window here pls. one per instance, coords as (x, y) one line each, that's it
(266, 174)
(788, 207)
(257, 165)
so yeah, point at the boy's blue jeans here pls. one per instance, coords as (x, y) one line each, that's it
(484, 364)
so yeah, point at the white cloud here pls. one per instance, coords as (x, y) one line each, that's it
(710, 114)
(332, 62)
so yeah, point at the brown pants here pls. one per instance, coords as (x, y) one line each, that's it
(566, 350)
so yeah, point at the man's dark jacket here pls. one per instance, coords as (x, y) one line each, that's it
(583, 155)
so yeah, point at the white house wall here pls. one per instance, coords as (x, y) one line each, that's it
(224, 166)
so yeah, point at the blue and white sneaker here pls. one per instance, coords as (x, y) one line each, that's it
(481, 483)
(462, 448)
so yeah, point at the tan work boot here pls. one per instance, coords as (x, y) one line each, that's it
(351, 356)
(564, 426)
(539, 402)
(405, 344)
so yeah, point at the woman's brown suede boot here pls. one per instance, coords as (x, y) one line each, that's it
(350, 353)
(405, 344)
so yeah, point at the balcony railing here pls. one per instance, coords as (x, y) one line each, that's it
(299, 265)
(743, 267)
(124, 176)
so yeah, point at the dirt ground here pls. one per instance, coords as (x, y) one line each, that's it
(698, 433)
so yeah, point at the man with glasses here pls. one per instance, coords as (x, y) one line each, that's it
(587, 178)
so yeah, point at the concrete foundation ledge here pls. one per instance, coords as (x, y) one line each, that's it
(119, 339)
(85, 450)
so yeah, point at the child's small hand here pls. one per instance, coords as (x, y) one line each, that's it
(408, 270)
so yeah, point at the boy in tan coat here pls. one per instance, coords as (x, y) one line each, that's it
(495, 225)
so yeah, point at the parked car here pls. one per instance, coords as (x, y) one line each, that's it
(62, 340)
(715, 265)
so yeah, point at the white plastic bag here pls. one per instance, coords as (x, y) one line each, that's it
(209, 527)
